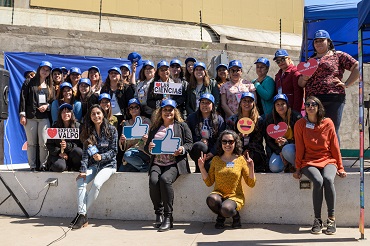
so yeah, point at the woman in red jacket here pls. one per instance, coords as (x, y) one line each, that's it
(318, 158)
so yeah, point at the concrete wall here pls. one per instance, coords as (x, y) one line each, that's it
(276, 198)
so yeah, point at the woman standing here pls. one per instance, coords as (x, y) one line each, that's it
(221, 78)
(57, 76)
(205, 125)
(177, 75)
(98, 163)
(95, 79)
(65, 154)
(286, 80)
(135, 156)
(86, 95)
(232, 90)
(189, 65)
(226, 171)
(146, 77)
(326, 83)
(104, 102)
(35, 98)
(74, 77)
(318, 157)
(265, 87)
(66, 96)
(200, 83)
(252, 143)
(282, 148)
(164, 169)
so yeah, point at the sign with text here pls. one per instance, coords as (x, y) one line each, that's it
(308, 68)
(168, 145)
(167, 88)
(63, 133)
(137, 130)
(276, 131)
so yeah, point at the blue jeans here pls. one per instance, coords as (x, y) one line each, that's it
(136, 158)
(276, 164)
(86, 199)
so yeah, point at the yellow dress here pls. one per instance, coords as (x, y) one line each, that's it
(228, 179)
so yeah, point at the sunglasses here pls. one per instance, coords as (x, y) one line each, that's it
(134, 107)
(280, 60)
(235, 70)
(310, 104)
(225, 142)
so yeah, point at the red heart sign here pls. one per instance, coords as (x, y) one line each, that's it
(52, 132)
(308, 68)
(158, 84)
(278, 130)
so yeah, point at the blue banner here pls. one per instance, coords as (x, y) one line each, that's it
(19, 62)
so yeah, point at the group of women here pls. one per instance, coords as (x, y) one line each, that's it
(208, 120)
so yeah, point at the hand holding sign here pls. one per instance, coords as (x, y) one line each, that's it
(137, 130)
(63, 133)
(245, 125)
(276, 131)
(168, 145)
(308, 68)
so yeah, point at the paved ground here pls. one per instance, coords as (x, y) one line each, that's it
(43, 231)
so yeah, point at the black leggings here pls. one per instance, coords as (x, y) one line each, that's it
(224, 207)
(160, 187)
(59, 164)
(195, 153)
(322, 179)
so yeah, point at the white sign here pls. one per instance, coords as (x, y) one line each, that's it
(63, 133)
(168, 88)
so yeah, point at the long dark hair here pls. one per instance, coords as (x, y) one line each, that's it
(61, 99)
(213, 120)
(106, 86)
(193, 80)
(321, 110)
(48, 81)
(277, 118)
(87, 135)
(72, 122)
(142, 73)
(330, 45)
(78, 94)
(238, 147)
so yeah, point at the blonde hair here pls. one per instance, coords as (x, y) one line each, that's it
(157, 118)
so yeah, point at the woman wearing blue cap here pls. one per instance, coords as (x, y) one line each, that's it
(164, 169)
(135, 156)
(65, 154)
(95, 78)
(66, 95)
(326, 83)
(86, 95)
(286, 80)
(283, 149)
(200, 83)
(73, 78)
(146, 77)
(205, 125)
(177, 75)
(232, 90)
(253, 142)
(265, 87)
(34, 105)
(222, 77)
(104, 102)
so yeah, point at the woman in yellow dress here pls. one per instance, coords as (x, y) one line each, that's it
(226, 172)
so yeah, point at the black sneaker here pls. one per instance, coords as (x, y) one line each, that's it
(317, 226)
(331, 227)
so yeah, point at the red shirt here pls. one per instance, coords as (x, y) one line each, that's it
(288, 81)
(317, 147)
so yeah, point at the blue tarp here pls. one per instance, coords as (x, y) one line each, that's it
(17, 63)
(364, 14)
(340, 19)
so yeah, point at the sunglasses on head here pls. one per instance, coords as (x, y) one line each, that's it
(278, 61)
(230, 142)
(309, 104)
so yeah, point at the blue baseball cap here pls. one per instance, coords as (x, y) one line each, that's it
(46, 63)
(222, 65)
(168, 102)
(280, 96)
(65, 105)
(65, 84)
(104, 95)
(133, 100)
(200, 64)
(247, 94)
(235, 63)
(280, 53)
(75, 70)
(148, 63)
(322, 34)
(208, 96)
(114, 69)
(135, 57)
(64, 70)
(126, 66)
(57, 69)
(263, 60)
(85, 81)
(176, 61)
(162, 63)
(94, 67)
(27, 72)
(192, 59)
